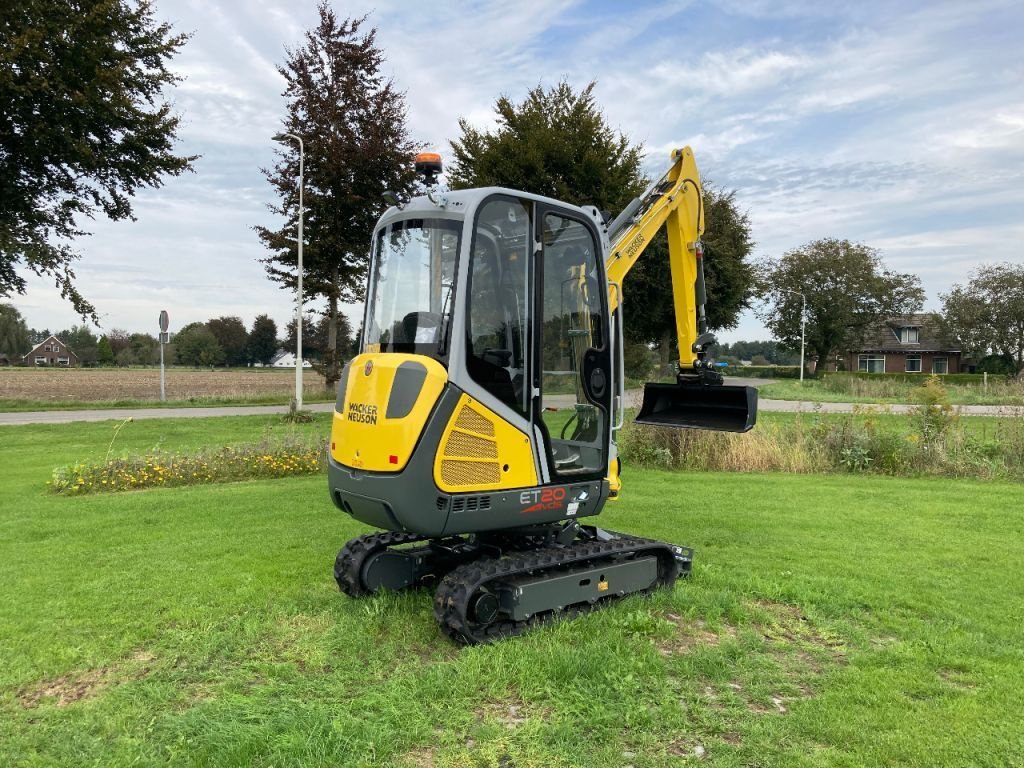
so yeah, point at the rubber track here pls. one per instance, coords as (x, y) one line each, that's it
(348, 566)
(451, 601)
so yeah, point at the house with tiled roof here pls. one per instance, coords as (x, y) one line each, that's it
(51, 351)
(911, 344)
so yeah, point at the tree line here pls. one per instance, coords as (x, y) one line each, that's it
(220, 341)
(351, 117)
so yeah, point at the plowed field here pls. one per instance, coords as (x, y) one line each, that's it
(96, 385)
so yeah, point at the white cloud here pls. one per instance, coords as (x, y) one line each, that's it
(900, 127)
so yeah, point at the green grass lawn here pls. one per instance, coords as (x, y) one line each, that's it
(842, 389)
(21, 405)
(830, 620)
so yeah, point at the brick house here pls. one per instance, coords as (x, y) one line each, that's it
(51, 351)
(911, 344)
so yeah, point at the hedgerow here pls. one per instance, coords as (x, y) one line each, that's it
(164, 469)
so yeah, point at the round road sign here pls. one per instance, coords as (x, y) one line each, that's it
(164, 321)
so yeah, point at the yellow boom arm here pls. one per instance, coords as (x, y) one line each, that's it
(676, 202)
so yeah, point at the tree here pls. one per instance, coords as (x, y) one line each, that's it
(556, 142)
(142, 349)
(83, 343)
(233, 338)
(196, 345)
(84, 125)
(987, 314)
(352, 120)
(262, 340)
(847, 290)
(120, 340)
(14, 338)
(104, 352)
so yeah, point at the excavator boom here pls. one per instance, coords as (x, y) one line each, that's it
(698, 399)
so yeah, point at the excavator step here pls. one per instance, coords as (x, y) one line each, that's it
(723, 408)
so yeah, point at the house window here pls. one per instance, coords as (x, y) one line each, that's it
(40, 360)
(63, 361)
(909, 335)
(871, 363)
(913, 363)
(940, 365)
(47, 348)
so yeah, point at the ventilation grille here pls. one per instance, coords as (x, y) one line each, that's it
(470, 446)
(469, 472)
(471, 503)
(474, 422)
(470, 460)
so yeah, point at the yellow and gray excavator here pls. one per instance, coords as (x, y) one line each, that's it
(477, 425)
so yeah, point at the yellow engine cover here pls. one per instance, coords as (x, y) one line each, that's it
(480, 451)
(388, 398)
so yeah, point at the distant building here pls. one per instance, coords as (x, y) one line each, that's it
(52, 351)
(911, 344)
(283, 359)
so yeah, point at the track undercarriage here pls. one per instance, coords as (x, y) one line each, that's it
(497, 585)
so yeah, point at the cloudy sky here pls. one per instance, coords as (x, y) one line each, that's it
(896, 124)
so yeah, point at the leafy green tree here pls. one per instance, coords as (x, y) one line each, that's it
(142, 349)
(847, 289)
(120, 341)
(352, 121)
(987, 314)
(104, 352)
(14, 335)
(233, 338)
(196, 345)
(83, 342)
(84, 125)
(262, 340)
(37, 337)
(557, 142)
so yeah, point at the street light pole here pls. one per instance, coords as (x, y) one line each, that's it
(298, 300)
(803, 327)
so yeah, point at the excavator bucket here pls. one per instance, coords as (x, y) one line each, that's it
(697, 406)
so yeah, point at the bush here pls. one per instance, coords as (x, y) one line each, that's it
(766, 371)
(639, 361)
(159, 469)
(932, 442)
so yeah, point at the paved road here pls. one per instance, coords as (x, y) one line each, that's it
(633, 397)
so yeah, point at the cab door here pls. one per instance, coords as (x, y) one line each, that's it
(572, 375)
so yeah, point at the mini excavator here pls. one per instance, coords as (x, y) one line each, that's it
(477, 425)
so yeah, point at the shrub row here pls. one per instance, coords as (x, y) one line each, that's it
(932, 442)
(765, 371)
(159, 469)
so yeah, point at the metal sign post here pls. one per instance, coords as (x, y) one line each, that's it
(164, 336)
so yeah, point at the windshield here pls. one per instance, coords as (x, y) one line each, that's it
(409, 301)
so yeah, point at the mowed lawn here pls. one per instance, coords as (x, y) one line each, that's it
(831, 620)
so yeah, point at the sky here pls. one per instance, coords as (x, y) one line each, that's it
(899, 125)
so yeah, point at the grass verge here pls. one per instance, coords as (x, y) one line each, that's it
(838, 388)
(831, 620)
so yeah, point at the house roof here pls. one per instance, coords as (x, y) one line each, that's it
(885, 337)
(44, 341)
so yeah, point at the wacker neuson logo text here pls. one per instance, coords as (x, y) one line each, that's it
(362, 413)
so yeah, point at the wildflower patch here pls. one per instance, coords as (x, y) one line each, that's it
(161, 469)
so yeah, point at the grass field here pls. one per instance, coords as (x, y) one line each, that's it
(837, 388)
(31, 389)
(830, 621)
